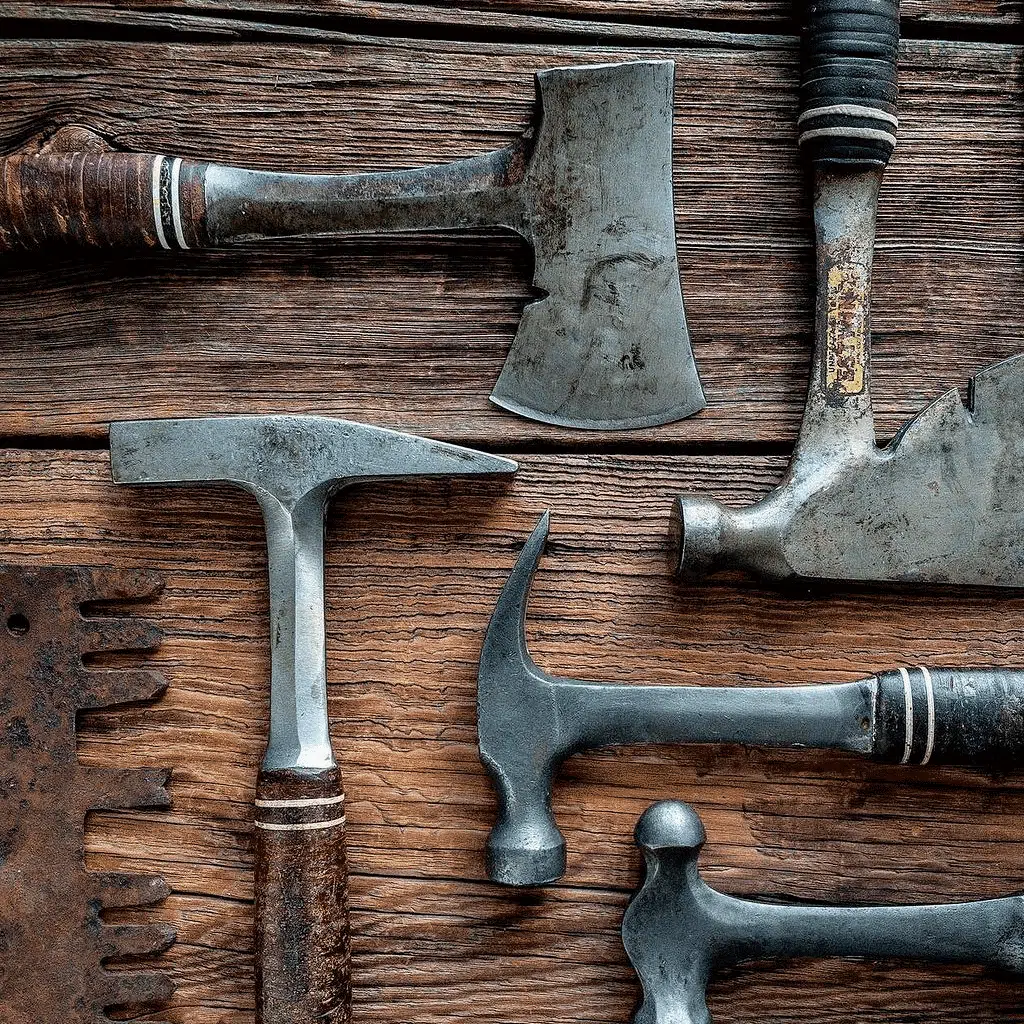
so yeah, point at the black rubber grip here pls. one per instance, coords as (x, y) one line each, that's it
(848, 90)
(969, 717)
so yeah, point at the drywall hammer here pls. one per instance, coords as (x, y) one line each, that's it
(677, 929)
(529, 722)
(943, 502)
(292, 465)
(589, 187)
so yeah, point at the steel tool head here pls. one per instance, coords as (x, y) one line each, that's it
(283, 457)
(677, 929)
(942, 503)
(519, 736)
(292, 464)
(608, 346)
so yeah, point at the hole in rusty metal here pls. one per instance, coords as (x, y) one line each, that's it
(17, 624)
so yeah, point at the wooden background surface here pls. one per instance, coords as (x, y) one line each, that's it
(411, 333)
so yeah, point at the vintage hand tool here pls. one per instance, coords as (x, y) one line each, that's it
(54, 944)
(943, 502)
(292, 465)
(677, 929)
(529, 722)
(589, 187)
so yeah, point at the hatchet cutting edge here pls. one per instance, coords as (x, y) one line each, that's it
(529, 722)
(589, 187)
(943, 503)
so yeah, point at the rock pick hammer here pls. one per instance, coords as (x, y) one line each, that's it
(292, 465)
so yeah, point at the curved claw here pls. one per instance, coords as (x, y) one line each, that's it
(505, 640)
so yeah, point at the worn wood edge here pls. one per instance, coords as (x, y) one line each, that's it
(501, 32)
(319, 21)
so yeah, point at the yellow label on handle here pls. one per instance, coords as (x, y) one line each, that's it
(847, 328)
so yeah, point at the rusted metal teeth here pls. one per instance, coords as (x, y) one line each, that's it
(119, 789)
(106, 687)
(132, 988)
(55, 968)
(115, 890)
(121, 585)
(107, 635)
(136, 940)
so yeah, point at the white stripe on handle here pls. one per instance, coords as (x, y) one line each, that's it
(158, 218)
(305, 826)
(176, 202)
(908, 702)
(850, 110)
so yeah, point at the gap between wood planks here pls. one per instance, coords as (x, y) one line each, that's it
(352, 21)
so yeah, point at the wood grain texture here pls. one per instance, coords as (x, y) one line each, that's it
(433, 941)
(412, 333)
(579, 16)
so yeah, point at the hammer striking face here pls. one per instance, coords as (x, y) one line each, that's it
(292, 465)
(677, 930)
(589, 187)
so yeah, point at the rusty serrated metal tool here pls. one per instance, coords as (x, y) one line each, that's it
(54, 943)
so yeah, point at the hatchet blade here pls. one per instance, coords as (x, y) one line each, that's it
(608, 346)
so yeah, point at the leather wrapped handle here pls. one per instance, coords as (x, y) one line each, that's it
(848, 90)
(123, 201)
(302, 936)
(968, 717)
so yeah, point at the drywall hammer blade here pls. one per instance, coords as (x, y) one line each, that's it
(529, 722)
(292, 465)
(677, 930)
(943, 503)
(589, 186)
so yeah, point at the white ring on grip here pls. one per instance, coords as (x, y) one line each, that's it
(869, 134)
(930, 690)
(908, 702)
(176, 202)
(304, 826)
(158, 216)
(308, 801)
(850, 110)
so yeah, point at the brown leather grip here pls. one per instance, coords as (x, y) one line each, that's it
(302, 939)
(123, 201)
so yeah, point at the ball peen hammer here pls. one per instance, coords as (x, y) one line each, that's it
(529, 722)
(292, 465)
(677, 929)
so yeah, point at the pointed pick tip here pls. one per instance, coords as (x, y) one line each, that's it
(530, 556)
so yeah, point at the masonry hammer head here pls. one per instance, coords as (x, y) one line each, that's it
(292, 464)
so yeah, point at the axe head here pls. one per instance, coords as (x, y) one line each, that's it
(607, 347)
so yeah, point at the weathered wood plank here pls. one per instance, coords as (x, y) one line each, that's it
(412, 333)
(433, 940)
(605, 18)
